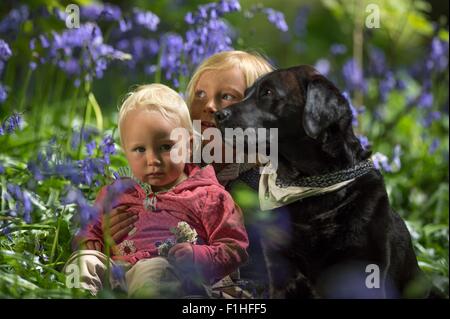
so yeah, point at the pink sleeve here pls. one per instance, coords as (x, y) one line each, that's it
(93, 230)
(227, 239)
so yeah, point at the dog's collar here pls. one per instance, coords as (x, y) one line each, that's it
(273, 195)
(330, 179)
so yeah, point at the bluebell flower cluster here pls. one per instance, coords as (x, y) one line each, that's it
(276, 18)
(11, 124)
(20, 200)
(172, 57)
(11, 23)
(51, 163)
(353, 76)
(338, 49)
(79, 52)
(87, 212)
(96, 12)
(208, 33)
(5, 54)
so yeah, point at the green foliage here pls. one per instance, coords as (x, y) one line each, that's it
(32, 255)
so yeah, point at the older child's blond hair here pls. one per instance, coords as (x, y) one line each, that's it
(252, 64)
(160, 98)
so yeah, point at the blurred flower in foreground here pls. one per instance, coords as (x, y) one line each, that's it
(87, 213)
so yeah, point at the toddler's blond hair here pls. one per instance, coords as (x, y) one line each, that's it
(160, 98)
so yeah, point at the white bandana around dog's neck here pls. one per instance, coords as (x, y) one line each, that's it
(272, 196)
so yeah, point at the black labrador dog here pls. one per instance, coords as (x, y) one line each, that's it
(346, 243)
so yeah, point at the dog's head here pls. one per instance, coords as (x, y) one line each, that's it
(310, 113)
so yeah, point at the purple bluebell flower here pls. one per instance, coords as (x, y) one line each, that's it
(13, 123)
(35, 171)
(2, 169)
(11, 23)
(125, 25)
(106, 12)
(115, 174)
(208, 33)
(338, 49)
(225, 6)
(146, 19)
(60, 14)
(396, 157)
(377, 61)
(114, 190)
(425, 100)
(82, 51)
(434, 146)
(276, 18)
(32, 65)
(90, 147)
(400, 85)
(45, 43)
(387, 84)
(140, 48)
(430, 118)
(381, 162)
(323, 66)
(87, 213)
(3, 93)
(364, 142)
(5, 50)
(118, 273)
(355, 111)
(301, 20)
(108, 148)
(32, 44)
(23, 204)
(353, 76)
(438, 59)
(171, 57)
(87, 134)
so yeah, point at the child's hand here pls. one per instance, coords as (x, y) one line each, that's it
(182, 254)
(121, 222)
(93, 245)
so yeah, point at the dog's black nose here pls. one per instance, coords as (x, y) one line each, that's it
(222, 115)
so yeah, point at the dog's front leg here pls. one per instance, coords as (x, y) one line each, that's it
(301, 288)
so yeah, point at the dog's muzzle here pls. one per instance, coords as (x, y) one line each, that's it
(222, 115)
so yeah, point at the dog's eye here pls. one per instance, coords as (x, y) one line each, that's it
(267, 92)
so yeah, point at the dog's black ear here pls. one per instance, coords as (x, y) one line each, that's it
(324, 106)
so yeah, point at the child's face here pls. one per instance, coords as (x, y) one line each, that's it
(147, 145)
(215, 90)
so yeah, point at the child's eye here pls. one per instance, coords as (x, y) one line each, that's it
(228, 97)
(165, 147)
(200, 94)
(139, 150)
